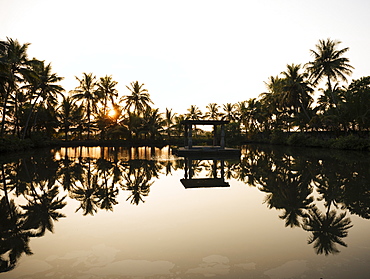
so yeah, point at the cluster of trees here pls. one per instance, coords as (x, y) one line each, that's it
(32, 101)
(308, 191)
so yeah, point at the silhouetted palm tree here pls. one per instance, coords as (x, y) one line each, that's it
(139, 99)
(212, 112)
(107, 90)
(69, 115)
(14, 68)
(194, 113)
(296, 90)
(229, 112)
(169, 120)
(152, 123)
(329, 63)
(42, 86)
(87, 93)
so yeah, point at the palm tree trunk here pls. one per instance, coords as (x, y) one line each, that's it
(7, 93)
(29, 116)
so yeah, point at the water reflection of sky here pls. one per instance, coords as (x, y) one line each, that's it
(188, 233)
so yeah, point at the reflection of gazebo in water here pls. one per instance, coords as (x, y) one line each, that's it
(217, 149)
(216, 152)
(214, 181)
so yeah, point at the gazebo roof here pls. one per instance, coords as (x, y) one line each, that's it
(204, 122)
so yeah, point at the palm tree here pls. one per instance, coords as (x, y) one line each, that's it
(139, 98)
(169, 120)
(43, 85)
(229, 112)
(296, 91)
(152, 122)
(87, 93)
(194, 113)
(178, 126)
(14, 67)
(69, 114)
(329, 63)
(248, 114)
(107, 91)
(106, 88)
(212, 111)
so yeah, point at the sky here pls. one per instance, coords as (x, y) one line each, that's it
(185, 52)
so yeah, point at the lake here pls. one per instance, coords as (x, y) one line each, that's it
(273, 213)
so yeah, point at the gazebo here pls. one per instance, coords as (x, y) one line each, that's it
(218, 148)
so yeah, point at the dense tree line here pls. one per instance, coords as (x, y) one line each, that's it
(33, 102)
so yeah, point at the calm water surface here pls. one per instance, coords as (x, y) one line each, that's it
(143, 213)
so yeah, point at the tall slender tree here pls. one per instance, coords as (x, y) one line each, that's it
(212, 112)
(296, 92)
(139, 99)
(107, 89)
(87, 93)
(329, 63)
(14, 65)
(42, 85)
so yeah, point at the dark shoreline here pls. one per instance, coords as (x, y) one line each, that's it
(356, 142)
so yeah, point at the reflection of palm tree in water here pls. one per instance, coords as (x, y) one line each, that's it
(107, 192)
(14, 239)
(139, 185)
(289, 192)
(86, 191)
(327, 230)
(41, 210)
(16, 227)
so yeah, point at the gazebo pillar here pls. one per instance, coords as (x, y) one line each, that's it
(190, 136)
(214, 135)
(222, 143)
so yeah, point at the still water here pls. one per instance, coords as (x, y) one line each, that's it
(135, 213)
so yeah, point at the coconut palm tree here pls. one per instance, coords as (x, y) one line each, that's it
(329, 63)
(69, 114)
(152, 122)
(296, 92)
(14, 65)
(86, 93)
(106, 88)
(43, 86)
(212, 112)
(139, 99)
(194, 113)
(229, 112)
(169, 120)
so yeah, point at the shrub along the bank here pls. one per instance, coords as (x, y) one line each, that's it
(348, 142)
